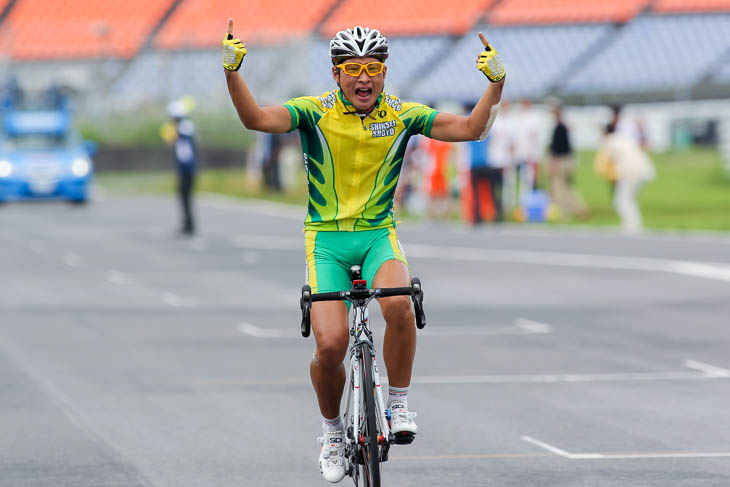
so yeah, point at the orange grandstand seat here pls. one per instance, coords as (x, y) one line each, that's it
(42, 29)
(673, 6)
(202, 23)
(525, 12)
(407, 17)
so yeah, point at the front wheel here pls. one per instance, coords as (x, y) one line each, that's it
(370, 448)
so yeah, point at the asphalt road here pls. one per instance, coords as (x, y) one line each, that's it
(132, 357)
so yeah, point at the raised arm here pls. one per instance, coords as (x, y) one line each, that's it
(456, 128)
(254, 117)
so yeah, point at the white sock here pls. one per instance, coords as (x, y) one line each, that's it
(398, 395)
(332, 425)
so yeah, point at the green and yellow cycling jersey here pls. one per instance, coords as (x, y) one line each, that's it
(353, 161)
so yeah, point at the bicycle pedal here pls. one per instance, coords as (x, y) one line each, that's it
(404, 438)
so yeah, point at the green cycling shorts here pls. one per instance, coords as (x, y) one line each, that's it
(330, 255)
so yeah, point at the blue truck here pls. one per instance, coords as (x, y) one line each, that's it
(42, 155)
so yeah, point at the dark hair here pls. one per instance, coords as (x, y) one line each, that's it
(610, 128)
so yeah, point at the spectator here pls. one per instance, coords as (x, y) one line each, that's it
(621, 157)
(179, 132)
(561, 168)
(528, 147)
(481, 203)
(632, 127)
(502, 145)
(436, 179)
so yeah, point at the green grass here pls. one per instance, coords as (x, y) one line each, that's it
(231, 182)
(141, 128)
(691, 190)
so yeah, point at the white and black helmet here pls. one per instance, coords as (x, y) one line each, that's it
(358, 42)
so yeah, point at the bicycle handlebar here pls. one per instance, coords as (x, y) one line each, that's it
(414, 291)
(363, 293)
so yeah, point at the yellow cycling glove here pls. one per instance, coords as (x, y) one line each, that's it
(233, 52)
(489, 63)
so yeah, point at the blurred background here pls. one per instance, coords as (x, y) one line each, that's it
(665, 64)
(558, 350)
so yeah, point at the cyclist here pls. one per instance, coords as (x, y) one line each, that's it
(354, 139)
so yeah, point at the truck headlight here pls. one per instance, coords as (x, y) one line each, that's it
(6, 169)
(80, 167)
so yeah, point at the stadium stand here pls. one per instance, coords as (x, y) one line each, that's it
(423, 16)
(649, 54)
(3, 4)
(167, 75)
(722, 75)
(202, 23)
(48, 29)
(690, 6)
(534, 57)
(153, 50)
(527, 12)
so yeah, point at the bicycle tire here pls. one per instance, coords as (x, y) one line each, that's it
(370, 448)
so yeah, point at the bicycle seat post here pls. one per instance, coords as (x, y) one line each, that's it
(356, 272)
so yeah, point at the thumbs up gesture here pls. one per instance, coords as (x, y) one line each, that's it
(233, 50)
(489, 63)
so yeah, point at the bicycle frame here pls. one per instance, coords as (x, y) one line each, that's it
(362, 337)
(359, 450)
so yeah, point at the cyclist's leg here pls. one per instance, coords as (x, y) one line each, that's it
(399, 342)
(327, 370)
(385, 266)
(325, 273)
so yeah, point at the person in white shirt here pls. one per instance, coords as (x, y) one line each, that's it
(621, 157)
(501, 159)
(528, 147)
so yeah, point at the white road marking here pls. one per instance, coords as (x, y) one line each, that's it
(252, 330)
(266, 208)
(521, 327)
(255, 331)
(706, 270)
(267, 242)
(559, 378)
(176, 301)
(707, 369)
(449, 331)
(618, 456)
(545, 446)
(533, 326)
(72, 260)
(298, 212)
(116, 277)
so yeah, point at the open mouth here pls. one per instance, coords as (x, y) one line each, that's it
(363, 94)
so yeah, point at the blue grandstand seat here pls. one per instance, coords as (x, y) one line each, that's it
(722, 74)
(535, 57)
(164, 75)
(655, 52)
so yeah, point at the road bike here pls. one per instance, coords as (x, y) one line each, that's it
(368, 435)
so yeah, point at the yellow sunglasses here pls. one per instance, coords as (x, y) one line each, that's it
(355, 69)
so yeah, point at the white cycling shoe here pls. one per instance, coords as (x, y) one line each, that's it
(402, 422)
(332, 456)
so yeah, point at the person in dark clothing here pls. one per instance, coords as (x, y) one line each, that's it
(272, 178)
(179, 132)
(561, 166)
